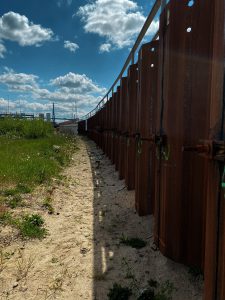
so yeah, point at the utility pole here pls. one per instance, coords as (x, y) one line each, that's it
(8, 105)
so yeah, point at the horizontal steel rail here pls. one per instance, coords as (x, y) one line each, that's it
(130, 58)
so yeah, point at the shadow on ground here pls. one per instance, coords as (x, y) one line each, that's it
(114, 218)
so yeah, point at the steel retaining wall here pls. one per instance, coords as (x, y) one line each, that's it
(164, 130)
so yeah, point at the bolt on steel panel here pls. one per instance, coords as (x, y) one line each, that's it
(185, 45)
(147, 88)
(147, 105)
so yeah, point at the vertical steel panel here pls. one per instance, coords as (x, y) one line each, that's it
(122, 128)
(132, 92)
(147, 105)
(215, 216)
(117, 148)
(132, 116)
(185, 44)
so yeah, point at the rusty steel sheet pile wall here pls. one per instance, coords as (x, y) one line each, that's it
(146, 128)
(117, 140)
(122, 127)
(215, 156)
(180, 230)
(164, 129)
(186, 104)
(132, 86)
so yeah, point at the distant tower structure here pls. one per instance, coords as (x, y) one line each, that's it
(48, 117)
(53, 113)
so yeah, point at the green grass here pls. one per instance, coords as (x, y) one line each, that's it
(26, 162)
(29, 226)
(15, 201)
(19, 189)
(47, 204)
(30, 129)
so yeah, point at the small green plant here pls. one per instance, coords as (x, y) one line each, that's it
(5, 216)
(134, 285)
(165, 291)
(195, 273)
(19, 189)
(15, 201)
(47, 204)
(156, 291)
(23, 189)
(32, 226)
(133, 242)
(23, 266)
(117, 292)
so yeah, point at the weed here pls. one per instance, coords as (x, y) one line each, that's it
(15, 201)
(165, 291)
(133, 242)
(23, 266)
(47, 204)
(117, 292)
(155, 291)
(23, 189)
(2, 260)
(19, 189)
(31, 226)
(5, 216)
(195, 273)
(130, 275)
(57, 284)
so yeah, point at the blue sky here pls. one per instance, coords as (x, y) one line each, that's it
(66, 51)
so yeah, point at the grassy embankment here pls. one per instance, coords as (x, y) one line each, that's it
(31, 153)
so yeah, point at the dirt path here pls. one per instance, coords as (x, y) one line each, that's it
(82, 256)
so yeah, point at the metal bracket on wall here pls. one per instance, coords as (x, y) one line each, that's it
(211, 149)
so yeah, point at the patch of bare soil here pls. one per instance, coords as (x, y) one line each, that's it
(82, 256)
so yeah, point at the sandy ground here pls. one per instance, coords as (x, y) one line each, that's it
(82, 255)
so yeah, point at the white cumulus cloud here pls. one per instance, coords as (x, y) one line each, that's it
(2, 50)
(105, 48)
(71, 46)
(77, 83)
(10, 78)
(63, 90)
(118, 21)
(18, 28)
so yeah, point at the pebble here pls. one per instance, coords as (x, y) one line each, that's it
(15, 284)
